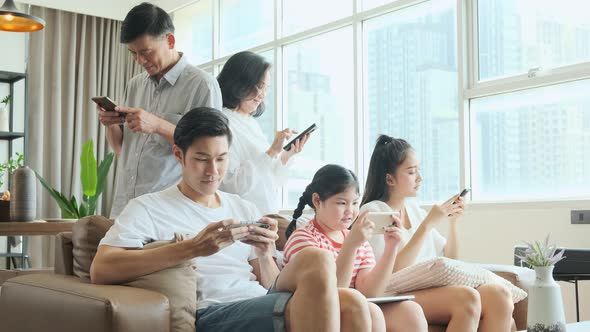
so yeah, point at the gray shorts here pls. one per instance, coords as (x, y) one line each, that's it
(259, 314)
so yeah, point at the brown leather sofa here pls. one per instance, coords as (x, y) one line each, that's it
(64, 302)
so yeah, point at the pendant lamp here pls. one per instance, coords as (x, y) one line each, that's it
(11, 19)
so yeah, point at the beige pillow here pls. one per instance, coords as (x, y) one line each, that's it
(86, 235)
(178, 284)
(442, 271)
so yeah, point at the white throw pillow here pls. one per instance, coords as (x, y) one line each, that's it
(442, 271)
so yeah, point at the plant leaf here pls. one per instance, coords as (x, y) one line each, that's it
(60, 199)
(88, 171)
(103, 171)
(83, 209)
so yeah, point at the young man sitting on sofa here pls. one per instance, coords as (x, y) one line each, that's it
(235, 265)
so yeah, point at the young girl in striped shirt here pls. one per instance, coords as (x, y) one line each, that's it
(334, 195)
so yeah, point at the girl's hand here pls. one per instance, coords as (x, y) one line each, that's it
(277, 144)
(393, 234)
(459, 203)
(295, 148)
(443, 211)
(361, 231)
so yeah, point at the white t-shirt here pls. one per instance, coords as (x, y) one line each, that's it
(223, 277)
(433, 245)
(252, 173)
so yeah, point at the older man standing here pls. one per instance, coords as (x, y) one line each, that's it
(140, 131)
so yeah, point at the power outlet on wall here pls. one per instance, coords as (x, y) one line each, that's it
(580, 216)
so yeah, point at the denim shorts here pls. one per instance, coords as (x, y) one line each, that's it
(259, 314)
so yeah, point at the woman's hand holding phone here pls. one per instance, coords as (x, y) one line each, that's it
(277, 143)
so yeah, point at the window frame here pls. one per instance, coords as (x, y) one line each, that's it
(469, 85)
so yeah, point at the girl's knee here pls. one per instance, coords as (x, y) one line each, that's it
(466, 300)
(496, 297)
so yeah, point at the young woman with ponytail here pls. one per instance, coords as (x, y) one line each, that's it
(334, 196)
(392, 184)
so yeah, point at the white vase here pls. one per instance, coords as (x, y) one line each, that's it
(545, 308)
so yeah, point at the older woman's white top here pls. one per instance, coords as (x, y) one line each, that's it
(433, 245)
(252, 174)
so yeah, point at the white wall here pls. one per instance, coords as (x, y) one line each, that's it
(489, 232)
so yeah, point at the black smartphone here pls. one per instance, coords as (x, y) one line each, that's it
(248, 223)
(464, 192)
(105, 102)
(309, 129)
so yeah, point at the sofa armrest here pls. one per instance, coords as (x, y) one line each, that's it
(521, 277)
(66, 303)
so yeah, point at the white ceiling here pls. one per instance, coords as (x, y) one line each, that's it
(115, 9)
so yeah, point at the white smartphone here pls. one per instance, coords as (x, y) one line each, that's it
(381, 220)
(387, 299)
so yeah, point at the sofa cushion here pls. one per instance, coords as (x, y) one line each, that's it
(442, 271)
(178, 284)
(87, 233)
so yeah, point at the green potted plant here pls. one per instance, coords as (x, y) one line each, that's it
(4, 113)
(6, 169)
(92, 178)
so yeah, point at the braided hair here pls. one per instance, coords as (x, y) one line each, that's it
(388, 155)
(327, 182)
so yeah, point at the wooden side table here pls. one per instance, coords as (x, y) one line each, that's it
(37, 227)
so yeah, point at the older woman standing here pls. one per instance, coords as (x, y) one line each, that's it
(256, 168)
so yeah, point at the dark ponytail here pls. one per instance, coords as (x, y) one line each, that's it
(327, 182)
(389, 153)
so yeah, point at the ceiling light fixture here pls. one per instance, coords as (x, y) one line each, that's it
(11, 19)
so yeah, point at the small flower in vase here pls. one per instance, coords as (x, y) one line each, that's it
(541, 254)
(545, 306)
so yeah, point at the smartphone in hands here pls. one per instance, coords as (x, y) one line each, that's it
(248, 223)
(382, 220)
(105, 102)
(463, 193)
(309, 130)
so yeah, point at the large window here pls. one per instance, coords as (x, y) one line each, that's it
(195, 36)
(299, 15)
(518, 35)
(532, 143)
(411, 89)
(319, 89)
(244, 24)
(490, 93)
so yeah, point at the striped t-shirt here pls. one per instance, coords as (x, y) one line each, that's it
(313, 236)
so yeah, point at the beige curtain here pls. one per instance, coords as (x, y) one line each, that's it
(73, 59)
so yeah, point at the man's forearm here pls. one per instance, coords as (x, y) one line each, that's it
(114, 135)
(115, 265)
(269, 271)
(166, 130)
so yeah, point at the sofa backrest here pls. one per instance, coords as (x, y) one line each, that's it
(87, 233)
(64, 258)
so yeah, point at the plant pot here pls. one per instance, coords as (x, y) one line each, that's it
(4, 211)
(545, 307)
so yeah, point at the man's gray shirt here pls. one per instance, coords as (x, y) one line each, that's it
(146, 163)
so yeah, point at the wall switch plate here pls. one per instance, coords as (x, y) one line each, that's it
(580, 216)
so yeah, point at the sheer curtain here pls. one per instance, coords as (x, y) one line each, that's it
(73, 59)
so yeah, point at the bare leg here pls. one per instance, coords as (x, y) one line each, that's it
(496, 308)
(404, 316)
(356, 313)
(457, 306)
(311, 276)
